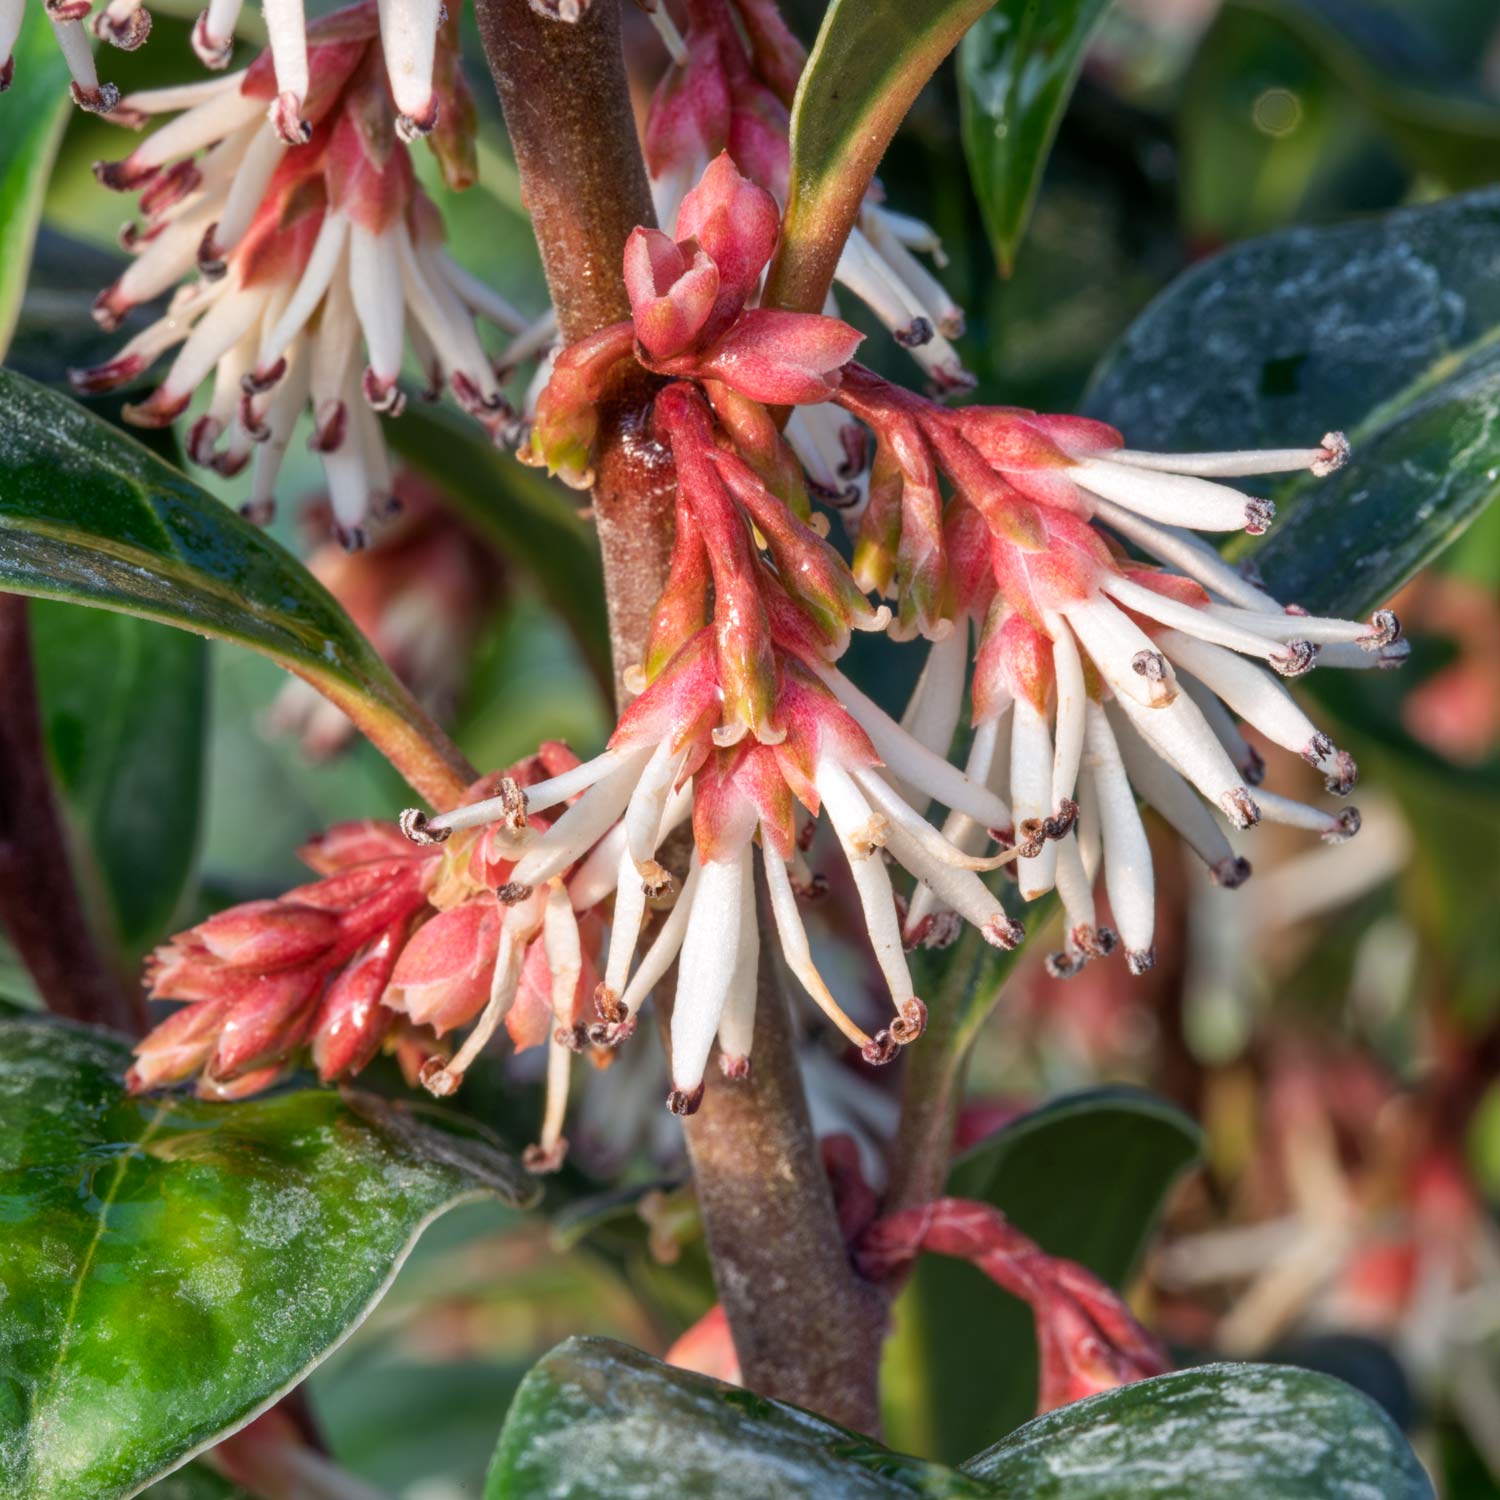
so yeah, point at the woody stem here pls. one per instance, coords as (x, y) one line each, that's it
(801, 1320)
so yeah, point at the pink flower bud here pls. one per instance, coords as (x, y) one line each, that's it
(782, 358)
(736, 224)
(442, 978)
(351, 1023)
(672, 289)
(267, 1024)
(178, 1047)
(264, 935)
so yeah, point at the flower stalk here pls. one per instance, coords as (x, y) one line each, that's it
(762, 1189)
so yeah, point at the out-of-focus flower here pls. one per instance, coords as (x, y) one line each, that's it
(394, 947)
(1087, 1339)
(272, 1456)
(419, 594)
(1456, 711)
(317, 262)
(122, 22)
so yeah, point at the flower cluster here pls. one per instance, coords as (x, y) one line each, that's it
(729, 89)
(394, 946)
(318, 258)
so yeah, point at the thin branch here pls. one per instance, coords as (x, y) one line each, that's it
(40, 906)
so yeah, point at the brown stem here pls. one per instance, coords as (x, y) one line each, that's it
(806, 1329)
(40, 906)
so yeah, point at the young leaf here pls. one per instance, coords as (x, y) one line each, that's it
(1119, 1151)
(596, 1420)
(868, 65)
(89, 515)
(174, 1266)
(1379, 327)
(1233, 1432)
(36, 108)
(1016, 71)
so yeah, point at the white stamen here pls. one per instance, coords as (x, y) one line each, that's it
(375, 280)
(1072, 698)
(1031, 794)
(1235, 465)
(1225, 627)
(324, 261)
(710, 957)
(587, 820)
(1181, 735)
(408, 36)
(737, 1022)
(658, 957)
(1128, 874)
(1176, 499)
(1125, 655)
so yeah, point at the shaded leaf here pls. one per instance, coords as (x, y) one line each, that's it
(528, 519)
(596, 1420)
(1085, 1176)
(869, 62)
(124, 706)
(1016, 70)
(173, 1266)
(1380, 327)
(1234, 1432)
(91, 516)
(36, 108)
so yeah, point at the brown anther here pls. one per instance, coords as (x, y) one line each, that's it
(258, 382)
(880, 1049)
(1151, 665)
(1254, 767)
(607, 1003)
(413, 127)
(438, 1079)
(129, 34)
(382, 395)
(1294, 658)
(512, 892)
(1385, 630)
(413, 823)
(1258, 516)
(1239, 807)
(680, 1102)
(1031, 834)
(1063, 965)
(259, 512)
(912, 1022)
(1230, 873)
(656, 881)
(1349, 825)
(574, 1038)
(916, 333)
(1335, 455)
(512, 803)
(1340, 781)
(607, 1035)
(540, 1160)
(97, 101)
(815, 888)
(941, 930)
(1060, 824)
(1140, 960)
(735, 1069)
(1003, 932)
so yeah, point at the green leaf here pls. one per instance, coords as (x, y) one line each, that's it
(967, 1347)
(596, 1420)
(174, 1266)
(36, 108)
(1381, 328)
(530, 520)
(91, 516)
(1230, 1432)
(124, 705)
(1016, 71)
(869, 62)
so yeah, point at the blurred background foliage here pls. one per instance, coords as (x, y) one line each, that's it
(1335, 1026)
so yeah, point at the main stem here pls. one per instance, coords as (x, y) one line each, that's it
(40, 906)
(804, 1325)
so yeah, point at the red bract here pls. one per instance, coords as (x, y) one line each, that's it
(1087, 1339)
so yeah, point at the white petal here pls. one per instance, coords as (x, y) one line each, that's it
(710, 957)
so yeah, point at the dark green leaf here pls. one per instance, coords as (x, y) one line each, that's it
(36, 108)
(596, 1420)
(1230, 1432)
(124, 705)
(1379, 327)
(172, 1266)
(530, 520)
(1085, 1176)
(1016, 70)
(89, 515)
(870, 61)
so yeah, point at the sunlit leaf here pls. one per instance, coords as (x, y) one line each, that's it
(90, 516)
(1230, 1432)
(173, 1266)
(1016, 71)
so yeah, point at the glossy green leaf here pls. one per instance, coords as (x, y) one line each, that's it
(36, 107)
(531, 521)
(1016, 71)
(869, 63)
(1381, 328)
(1222, 1432)
(173, 1266)
(1086, 1177)
(124, 706)
(91, 516)
(596, 1420)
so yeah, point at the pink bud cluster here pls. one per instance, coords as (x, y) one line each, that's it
(319, 258)
(393, 948)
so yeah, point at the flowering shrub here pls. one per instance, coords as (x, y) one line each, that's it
(858, 669)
